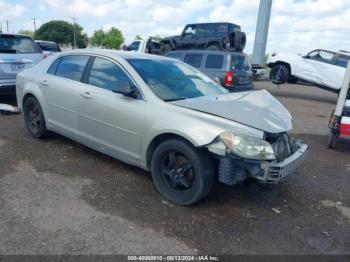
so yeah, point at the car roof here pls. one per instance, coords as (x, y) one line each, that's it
(342, 52)
(16, 35)
(114, 53)
(44, 41)
(213, 23)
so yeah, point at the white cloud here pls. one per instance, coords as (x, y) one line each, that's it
(10, 11)
(168, 17)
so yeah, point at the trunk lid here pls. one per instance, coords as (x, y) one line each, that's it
(17, 53)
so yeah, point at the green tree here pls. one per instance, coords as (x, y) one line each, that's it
(97, 38)
(113, 39)
(25, 32)
(62, 32)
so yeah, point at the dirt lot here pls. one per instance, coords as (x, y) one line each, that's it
(59, 197)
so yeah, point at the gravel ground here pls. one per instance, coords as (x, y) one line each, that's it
(59, 197)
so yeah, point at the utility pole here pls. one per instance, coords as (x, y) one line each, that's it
(101, 36)
(34, 22)
(262, 29)
(74, 38)
(7, 26)
(0, 27)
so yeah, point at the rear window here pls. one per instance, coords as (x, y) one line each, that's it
(11, 44)
(194, 60)
(48, 46)
(214, 61)
(72, 66)
(239, 61)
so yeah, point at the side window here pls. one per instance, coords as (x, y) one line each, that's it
(53, 68)
(72, 66)
(214, 61)
(106, 74)
(342, 61)
(322, 56)
(175, 56)
(190, 30)
(134, 46)
(194, 60)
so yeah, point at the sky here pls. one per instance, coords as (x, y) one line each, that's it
(296, 26)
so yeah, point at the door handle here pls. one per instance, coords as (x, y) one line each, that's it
(44, 83)
(86, 95)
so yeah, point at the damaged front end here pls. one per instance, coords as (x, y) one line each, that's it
(267, 160)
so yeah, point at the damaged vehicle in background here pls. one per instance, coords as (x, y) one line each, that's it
(162, 115)
(322, 68)
(209, 36)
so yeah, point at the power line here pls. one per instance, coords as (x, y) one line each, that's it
(307, 31)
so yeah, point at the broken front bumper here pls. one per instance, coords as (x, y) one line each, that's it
(233, 170)
(274, 172)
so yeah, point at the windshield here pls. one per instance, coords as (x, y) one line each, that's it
(10, 44)
(173, 80)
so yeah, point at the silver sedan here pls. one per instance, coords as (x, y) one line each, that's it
(163, 116)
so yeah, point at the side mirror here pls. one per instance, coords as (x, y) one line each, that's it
(125, 88)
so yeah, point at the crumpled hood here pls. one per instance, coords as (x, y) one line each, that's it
(258, 109)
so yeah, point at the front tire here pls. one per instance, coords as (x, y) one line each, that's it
(181, 173)
(164, 49)
(34, 118)
(332, 142)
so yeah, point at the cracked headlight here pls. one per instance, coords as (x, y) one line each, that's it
(248, 147)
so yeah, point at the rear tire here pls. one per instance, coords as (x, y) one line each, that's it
(213, 48)
(34, 118)
(332, 142)
(279, 74)
(164, 49)
(181, 173)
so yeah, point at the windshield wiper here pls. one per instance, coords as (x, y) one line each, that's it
(174, 99)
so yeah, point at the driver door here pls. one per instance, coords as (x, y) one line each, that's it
(109, 122)
(317, 67)
(188, 37)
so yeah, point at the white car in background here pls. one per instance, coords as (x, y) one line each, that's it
(149, 46)
(322, 68)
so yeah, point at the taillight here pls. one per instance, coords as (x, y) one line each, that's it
(228, 78)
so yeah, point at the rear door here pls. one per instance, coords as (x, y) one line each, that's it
(214, 67)
(111, 122)
(17, 53)
(63, 91)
